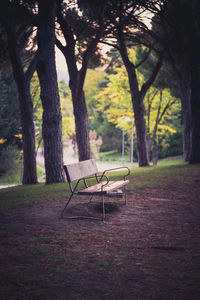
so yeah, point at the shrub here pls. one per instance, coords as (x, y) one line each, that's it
(9, 159)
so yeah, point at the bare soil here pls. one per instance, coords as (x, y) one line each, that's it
(147, 249)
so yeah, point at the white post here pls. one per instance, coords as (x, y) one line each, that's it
(122, 145)
(132, 145)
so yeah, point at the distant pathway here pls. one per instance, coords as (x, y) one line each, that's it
(4, 186)
(68, 158)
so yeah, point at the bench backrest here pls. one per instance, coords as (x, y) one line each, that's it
(80, 170)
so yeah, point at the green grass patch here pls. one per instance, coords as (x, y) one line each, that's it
(161, 175)
(167, 173)
(29, 194)
(14, 176)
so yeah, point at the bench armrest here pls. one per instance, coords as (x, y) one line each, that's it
(118, 168)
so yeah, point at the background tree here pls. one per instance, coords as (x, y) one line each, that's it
(190, 20)
(18, 30)
(46, 69)
(169, 33)
(160, 108)
(96, 81)
(114, 101)
(126, 20)
(82, 32)
(165, 90)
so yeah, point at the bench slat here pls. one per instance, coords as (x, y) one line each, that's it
(96, 189)
(81, 169)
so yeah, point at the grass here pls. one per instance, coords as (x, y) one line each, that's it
(167, 172)
(43, 263)
(29, 194)
(15, 176)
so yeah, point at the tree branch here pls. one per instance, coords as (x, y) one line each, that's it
(31, 68)
(152, 78)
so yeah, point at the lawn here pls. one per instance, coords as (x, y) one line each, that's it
(148, 249)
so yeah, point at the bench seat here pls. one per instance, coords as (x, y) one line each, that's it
(85, 170)
(103, 187)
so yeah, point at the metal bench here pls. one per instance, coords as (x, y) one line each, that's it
(85, 170)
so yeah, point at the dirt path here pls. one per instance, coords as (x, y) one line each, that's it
(149, 249)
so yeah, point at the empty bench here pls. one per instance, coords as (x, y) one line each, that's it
(103, 187)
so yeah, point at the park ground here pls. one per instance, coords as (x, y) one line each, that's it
(148, 249)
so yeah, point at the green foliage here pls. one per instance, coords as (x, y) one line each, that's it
(9, 112)
(10, 165)
(96, 80)
(84, 23)
(68, 122)
(114, 102)
(165, 79)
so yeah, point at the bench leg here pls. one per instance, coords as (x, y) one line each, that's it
(91, 198)
(61, 215)
(125, 194)
(103, 208)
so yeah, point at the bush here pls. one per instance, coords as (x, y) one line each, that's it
(9, 159)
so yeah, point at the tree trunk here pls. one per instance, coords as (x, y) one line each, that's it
(82, 131)
(195, 105)
(80, 115)
(186, 119)
(76, 84)
(190, 21)
(138, 108)
(26, 106)
(28, 133)
(155, 154)
(194, 35)
(149, 145)
(137, 103)
(52, 120)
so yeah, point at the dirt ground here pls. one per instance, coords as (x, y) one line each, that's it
(148, 249)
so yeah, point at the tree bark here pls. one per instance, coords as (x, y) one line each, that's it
(193, 10)
(183, 74)
(26, 106)
(155, 154)
(138, 108)
(52, 120)
(77, 78)
(28, 133)
(137, 97)
(82, 131)
(195, 105)
(186, 118)
(79, 106)
(78, 99)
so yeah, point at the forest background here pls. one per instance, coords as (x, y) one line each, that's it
(107, 89)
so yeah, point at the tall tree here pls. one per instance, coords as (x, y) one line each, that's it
(191, 21)
(82, 34)
(52, 120)
(182, 34)
(125, 17)
(160, 108)
(169, 32)
(10, 18)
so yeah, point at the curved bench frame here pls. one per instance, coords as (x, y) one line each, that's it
(103, 187)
